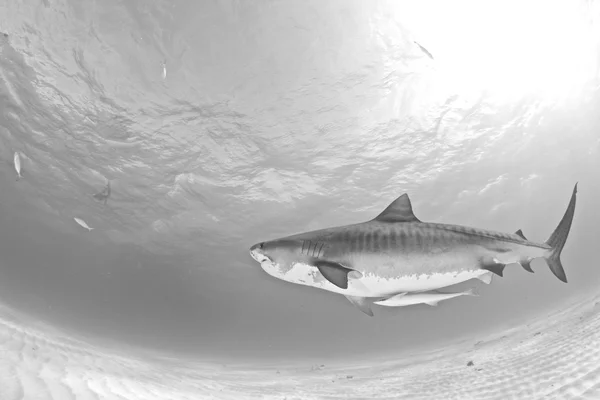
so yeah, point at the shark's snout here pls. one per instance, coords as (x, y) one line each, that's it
(257, 246)
(258, 254)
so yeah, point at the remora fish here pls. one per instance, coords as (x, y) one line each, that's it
(396, 253)
(17, 161)
(82, 223)
(431, 298)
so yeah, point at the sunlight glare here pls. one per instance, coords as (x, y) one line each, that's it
(508, 49)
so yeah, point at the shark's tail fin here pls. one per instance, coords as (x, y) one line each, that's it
(559, 237)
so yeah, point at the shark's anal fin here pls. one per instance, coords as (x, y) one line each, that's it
(333, 272)
(526, 264)
(399, 211)
(493, 266)
(520, 233)
(362, 304)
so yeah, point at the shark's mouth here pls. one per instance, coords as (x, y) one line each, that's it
(258, 256)
(265, 262)
(268, 265)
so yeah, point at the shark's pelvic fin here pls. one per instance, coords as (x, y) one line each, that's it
(333, 272)
(362, 304)
(432, 303)
(520, 233)
(399, 211)
(486, 278)
(496, 268)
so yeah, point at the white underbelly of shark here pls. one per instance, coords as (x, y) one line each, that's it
(370, 285)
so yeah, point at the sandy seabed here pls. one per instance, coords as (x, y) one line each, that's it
(555, 357)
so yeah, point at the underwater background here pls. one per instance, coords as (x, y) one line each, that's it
(220, 124)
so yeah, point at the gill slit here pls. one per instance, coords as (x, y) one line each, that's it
(320, 249)
(309, 249)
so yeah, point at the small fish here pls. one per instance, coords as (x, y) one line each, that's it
(424, 50)
(431, 298)
(104, 194)
(83, 224)
(17, 160)
(164, 65)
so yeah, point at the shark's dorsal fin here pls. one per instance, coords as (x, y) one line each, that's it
(520, 233)
(399, 211)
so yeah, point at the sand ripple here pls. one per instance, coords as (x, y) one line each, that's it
(555, 357)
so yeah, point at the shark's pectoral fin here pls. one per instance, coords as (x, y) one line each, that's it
(493, 266)
(362, 304)
(526, 264)
(334, 272)
(354, 275)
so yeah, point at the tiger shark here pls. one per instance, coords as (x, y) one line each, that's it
(397, 253)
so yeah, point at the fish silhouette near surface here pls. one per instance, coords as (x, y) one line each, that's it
(82, 223)
(397, 253)
(17, 162)
(424, 50)
(104, 194)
